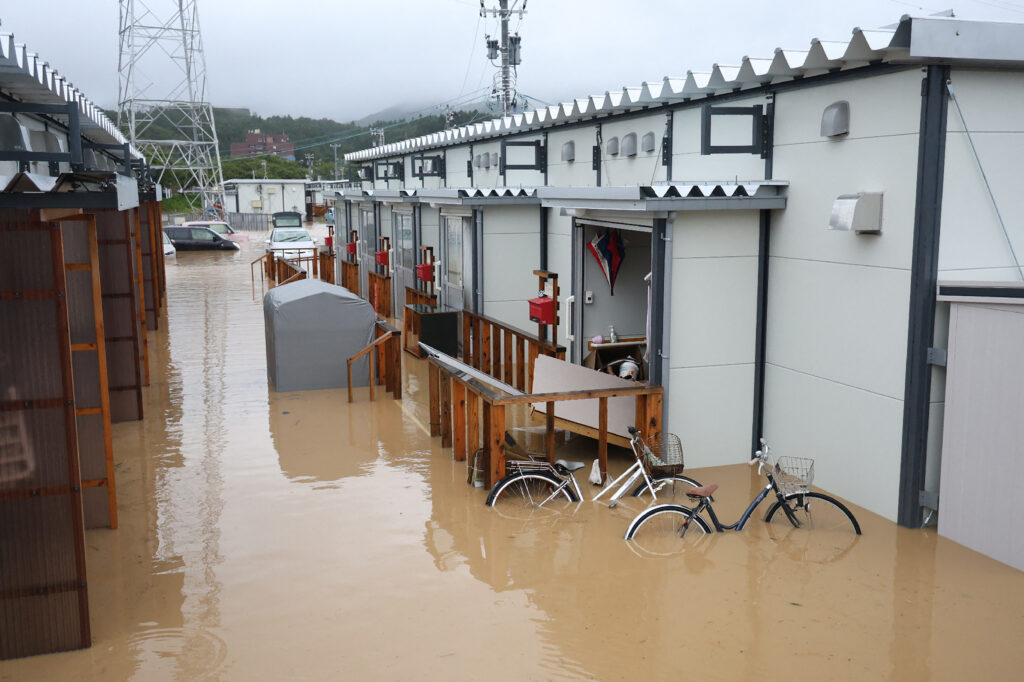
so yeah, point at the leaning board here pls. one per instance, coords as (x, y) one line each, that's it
(555, 376)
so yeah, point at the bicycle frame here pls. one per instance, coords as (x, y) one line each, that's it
(705, 503)
(634, 472)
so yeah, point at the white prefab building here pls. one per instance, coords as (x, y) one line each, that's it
(264, 196)
(795, 216)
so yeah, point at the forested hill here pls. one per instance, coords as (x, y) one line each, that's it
(313, 135)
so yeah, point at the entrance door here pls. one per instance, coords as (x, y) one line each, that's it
(367, 249)
(457, 274)
(402, 272)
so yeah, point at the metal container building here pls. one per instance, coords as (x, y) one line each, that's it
(795, 213)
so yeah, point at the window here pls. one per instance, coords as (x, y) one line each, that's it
(220, 228)
(201, 234)
(454, 265)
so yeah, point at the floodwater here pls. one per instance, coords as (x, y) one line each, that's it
(297, 536)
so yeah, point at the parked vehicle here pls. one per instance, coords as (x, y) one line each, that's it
(291, 242)
(220, 227)
(198, 239)
(287, 219)
(168, 246)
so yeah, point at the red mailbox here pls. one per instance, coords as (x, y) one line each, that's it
(328, 241)
(425, 271)
(350, 247)
(382, 258)
(542, 310)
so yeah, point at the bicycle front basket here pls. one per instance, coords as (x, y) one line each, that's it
(794, 474)
(665, 458)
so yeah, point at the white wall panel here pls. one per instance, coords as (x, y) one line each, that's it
(455, 166)
(645, 167)
(511, 254)
(853, 435)
(713, 426)
(689, 164)
(579, 173)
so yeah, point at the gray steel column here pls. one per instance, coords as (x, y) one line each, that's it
(658, 281)
(543, 238)
(478, 261)
(931, 158)
(761, 326)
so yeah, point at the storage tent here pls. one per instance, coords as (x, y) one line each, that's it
(312, 329)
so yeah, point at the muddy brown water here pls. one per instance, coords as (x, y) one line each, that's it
(271, 536)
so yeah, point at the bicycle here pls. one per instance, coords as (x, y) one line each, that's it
(534, 483)
(664, 526)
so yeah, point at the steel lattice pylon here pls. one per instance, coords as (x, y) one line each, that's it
(162, 103)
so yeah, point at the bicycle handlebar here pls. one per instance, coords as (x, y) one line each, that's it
(632, 430)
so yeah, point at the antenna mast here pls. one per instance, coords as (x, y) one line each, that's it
(503, 91)
(162, 103)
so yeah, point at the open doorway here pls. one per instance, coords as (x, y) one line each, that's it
(402, 268)
(611, 265)
(457, 262)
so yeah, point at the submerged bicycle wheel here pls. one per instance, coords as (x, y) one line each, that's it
(668, 487)
(814, 511)
(657, 530)
(523, 494)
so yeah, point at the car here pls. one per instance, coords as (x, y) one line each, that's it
(220, 227)
(286, 219)
(198, 239)
(168, 246)
(291, 242)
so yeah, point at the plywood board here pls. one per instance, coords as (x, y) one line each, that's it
(551, 375)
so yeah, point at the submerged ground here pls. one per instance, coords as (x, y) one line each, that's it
(288, 536)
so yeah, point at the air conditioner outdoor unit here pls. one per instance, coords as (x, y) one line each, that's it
(256, 203)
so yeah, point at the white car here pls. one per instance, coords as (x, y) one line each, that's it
(168, 246)
(291, 242)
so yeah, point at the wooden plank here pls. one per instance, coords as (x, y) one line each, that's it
(467, 341)
(583, 430)
(653, 423)
(74, 474)
(459, 419)
(101, 357)
(520, 363)
(85, 411)
(396, 369)
(141, 309)
(446, 410)
(494, 420)
(472, 423)
(485, 347)
(136, 334)
(77, 267)
(495, 352)
(78, 347)
(434, 383)
(507, 363)
(532, 352)
(477, 355)
(579, 395)
(549, 433)
(602, 435)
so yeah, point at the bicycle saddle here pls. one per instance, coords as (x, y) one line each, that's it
(569, 466)
(703, 491)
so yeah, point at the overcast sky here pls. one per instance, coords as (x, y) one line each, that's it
(345, 59)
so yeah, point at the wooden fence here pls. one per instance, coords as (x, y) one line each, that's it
(503, 352)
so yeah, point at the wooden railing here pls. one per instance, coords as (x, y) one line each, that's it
(417, 297)
(468, 415)
(326, 264)
(286, 270)
(385, 361)
(350, 276)
(503, 352)
(380, 293)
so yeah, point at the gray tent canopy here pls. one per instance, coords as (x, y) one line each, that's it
(312, 328)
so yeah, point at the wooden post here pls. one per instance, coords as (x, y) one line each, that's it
(533, 352)
(459, 418)
(101, 358)
(520, 364)
(467, 341)
(142, 294)
(446, 410)
(495, 352)
(373, 380)
(653, 423)
(485, 347)
(549, 431)
(509, 346)
(434, 381)
(494, 443)
(472, 422)
(602, 435)
(396, 370)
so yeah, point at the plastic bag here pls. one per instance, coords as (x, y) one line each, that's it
(595, 473)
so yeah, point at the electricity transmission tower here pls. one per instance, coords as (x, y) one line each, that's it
(162, 99)
(503, 89)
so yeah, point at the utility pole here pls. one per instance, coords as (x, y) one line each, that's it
(503, 89)
(377, 136)
(334, 146)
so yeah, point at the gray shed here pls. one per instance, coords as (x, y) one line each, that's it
(312, 329)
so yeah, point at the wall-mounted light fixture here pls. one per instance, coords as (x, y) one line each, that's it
(861, 213)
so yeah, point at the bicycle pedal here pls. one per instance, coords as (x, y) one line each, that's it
(613, 504)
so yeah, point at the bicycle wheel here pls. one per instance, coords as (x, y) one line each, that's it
(814, 511)
(520, 495)
(668, 487)
(656, 531)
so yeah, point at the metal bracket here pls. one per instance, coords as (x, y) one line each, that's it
(539, 156)
(418, 162)
(937, 357)
(760, 131)
(596, 160)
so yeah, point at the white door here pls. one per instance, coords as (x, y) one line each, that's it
(402, 268)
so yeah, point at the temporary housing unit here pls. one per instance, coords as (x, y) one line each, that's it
(81, 282)
(264, 196)
(794, 214)
(312, 328)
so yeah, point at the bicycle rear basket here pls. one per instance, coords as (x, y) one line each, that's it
(794, 474)
(665, 458)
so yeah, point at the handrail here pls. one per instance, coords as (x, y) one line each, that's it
(546, 345)
(252, 272)
(389, 333)
(503, 351)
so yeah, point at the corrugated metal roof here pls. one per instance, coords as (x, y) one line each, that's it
(30, 79)
(912, 40)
